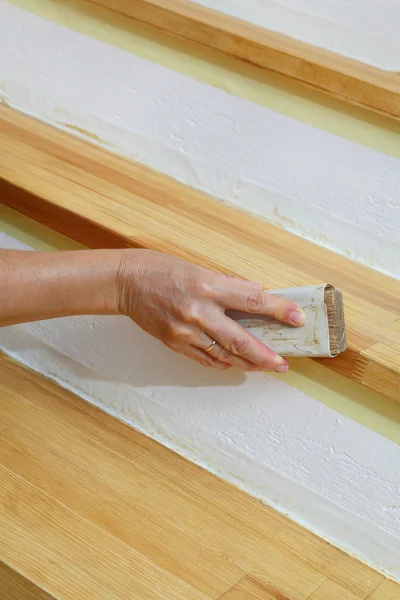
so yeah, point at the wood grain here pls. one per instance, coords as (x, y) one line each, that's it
(387, 590)
(385, 356)
(83, 517)
(251, 589)
(14, 586)
(103, 200)
(333, 591)
(342, 77)
(358, 581)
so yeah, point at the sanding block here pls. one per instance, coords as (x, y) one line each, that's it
(324, 332)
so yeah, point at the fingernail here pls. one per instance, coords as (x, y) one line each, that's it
(282, 369)
(297, 317)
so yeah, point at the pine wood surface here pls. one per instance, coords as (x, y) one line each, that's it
(104, 200)
(90, 509)
(344, 78)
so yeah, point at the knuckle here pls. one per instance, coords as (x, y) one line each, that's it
(181, 333)
(200, 282)
(225, 355)
(204, 287)
(255, 301)
(280, 309)
(190, 312)
(238, 345)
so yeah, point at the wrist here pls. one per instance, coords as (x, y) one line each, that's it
(129, 274)
(86, 282)
(103, 285)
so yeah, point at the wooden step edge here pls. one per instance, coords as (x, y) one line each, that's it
(56, 193)
(344, 78)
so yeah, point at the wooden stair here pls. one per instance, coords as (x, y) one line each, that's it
(103, 200)
(92, 510)
(344, 78)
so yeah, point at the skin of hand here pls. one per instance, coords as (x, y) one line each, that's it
(184, 305)
(180, 303)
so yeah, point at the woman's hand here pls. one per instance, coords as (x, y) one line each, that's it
(184, 305)
(179, 303)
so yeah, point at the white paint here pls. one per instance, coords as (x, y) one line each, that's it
(320, 186)
(337, 477)
(367, 30)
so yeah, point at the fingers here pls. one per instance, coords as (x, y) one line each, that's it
(193, 343)
(250, 298)
(225, 356)
(235, 346)
(202, 341)
(240, 343)
(204, 358)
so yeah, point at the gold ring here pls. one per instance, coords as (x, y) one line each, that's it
(210, 347)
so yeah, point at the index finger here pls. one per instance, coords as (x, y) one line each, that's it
(240, 295)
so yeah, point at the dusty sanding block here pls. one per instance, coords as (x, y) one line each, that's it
(324, 332)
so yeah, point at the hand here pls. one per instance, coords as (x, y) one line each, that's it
(184, 305)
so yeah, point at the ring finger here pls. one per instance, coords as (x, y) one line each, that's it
(204, 358)
(218, 352)
(223, 355)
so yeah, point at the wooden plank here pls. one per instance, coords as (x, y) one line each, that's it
(101, 486)
(117, 567)
(46, 567)
(382, 357)
(394, 327)
(388, 590)
(84, 521)
(291, 546)
(342, 77)
(103, 200)
(250, 588)
(332, 591)
(14, 586)
(358, 579)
